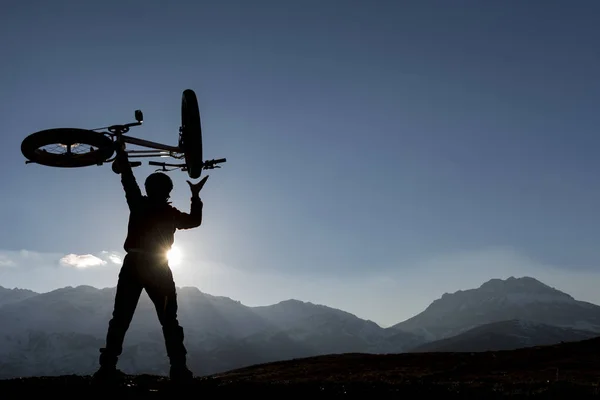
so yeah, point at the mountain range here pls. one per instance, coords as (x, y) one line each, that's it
(60, 332)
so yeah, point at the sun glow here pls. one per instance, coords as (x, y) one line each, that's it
(174, 256)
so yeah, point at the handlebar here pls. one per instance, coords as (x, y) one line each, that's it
(211, 164)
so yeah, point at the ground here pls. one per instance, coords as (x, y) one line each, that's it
(568, 370)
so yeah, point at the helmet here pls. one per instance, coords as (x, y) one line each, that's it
(158, 185)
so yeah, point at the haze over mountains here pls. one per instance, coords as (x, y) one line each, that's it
(60, 332)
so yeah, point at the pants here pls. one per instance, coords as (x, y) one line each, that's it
(141, 271)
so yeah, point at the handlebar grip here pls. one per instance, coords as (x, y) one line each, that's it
(159, 164)
(135, 163)
(220, 160)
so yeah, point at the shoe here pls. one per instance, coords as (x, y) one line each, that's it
(181, 374)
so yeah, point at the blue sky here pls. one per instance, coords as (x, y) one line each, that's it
(379, 153)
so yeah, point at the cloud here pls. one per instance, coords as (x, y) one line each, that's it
(81, 261)
(45, 271)
(28, 260)
(5, 261)
(91, 260)
(113, 257)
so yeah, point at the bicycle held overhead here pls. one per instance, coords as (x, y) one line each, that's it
(75, 147)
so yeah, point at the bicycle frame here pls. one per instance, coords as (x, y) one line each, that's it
(158, 149)
(147, 143)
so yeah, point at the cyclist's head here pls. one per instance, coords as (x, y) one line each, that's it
(158, 186)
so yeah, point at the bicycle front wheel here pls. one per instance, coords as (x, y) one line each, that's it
(191, 134)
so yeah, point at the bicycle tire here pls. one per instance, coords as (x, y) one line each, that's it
(31, 145)
(191, 134)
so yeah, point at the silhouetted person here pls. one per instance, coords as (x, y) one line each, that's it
(152, 224)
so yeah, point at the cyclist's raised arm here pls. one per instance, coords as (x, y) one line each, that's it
(194, 218)
(133, 194)
(191, 220)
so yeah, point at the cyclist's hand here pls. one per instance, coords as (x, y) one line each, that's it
(119, 146)
(121, 156)
(196, 187)
(121, 161)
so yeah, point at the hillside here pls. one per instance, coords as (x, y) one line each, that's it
(505, 335)
(60, 332)
(39, 332)
(568, 370)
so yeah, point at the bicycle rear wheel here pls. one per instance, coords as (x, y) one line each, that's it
(67, 147)
(191, 134)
